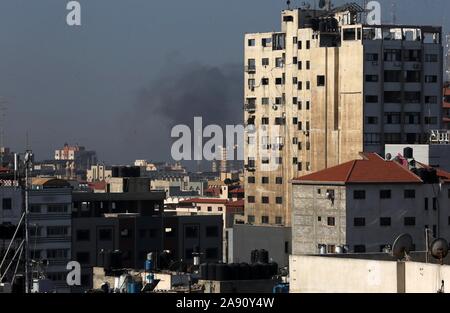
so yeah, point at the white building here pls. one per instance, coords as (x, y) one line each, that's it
(365, 204)
(50, 206)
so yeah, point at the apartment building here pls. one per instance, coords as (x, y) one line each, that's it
(50, 227)
(365, 204)
(327, 87)
(446, 106)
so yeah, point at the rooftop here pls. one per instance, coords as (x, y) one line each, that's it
(370, 169)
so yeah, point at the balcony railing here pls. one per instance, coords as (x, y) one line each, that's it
(251, 69)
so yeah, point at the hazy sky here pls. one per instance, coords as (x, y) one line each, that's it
(134, 68)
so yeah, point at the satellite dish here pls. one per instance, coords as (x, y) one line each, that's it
(439, 249)
(402, 246)
(388, 156)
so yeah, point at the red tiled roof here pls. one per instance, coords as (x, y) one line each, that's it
(371, 169)
(205, 200)
(238, 203)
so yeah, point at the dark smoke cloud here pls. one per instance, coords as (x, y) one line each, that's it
(183, 91)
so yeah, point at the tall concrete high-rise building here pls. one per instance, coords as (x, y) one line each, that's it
(330, 86)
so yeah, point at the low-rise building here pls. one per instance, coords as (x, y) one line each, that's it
(363, 205)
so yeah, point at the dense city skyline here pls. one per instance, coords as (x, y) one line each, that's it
(122, 65)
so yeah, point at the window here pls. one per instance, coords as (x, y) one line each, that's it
(308, 105)
(264, 219)
(191, 231)
(371, 120)
(278, 81)
(392, 96)
(308, 65)
(435, 204)
(392, 55)
(219, 209)
(308, 44)
(251, 219)
(299, 44)
(295, 120)
(359, 194)
(308, 85)
(209, 208)
(300, 86)
(294, 60)
(430, 120)
(372, 78)
(372, 138)
(320, 80)
(212, 231)
(251, 179)
(83, 257)
(266, 42)
(57, 253)
(433, 58)
(279, 200)
(413, 96)
(393, 138)
(294, 40)
(278, 220)
(280, 121)
(265, 121)
(278, 160)
(410, 221)
(300, 166)
(105, 234)
(265, 200)
(359, 221)
(413, 76)
(300, 65)
(294, 161)
(410, 194)
(265, 160)
(35, 208)
(264, 81)
(294, 100)
(392, 118)
(279, 180)
(251, 83)
(294, 80)
(385, 194)
(265, 180)
(371, 57)
(392, 76)
(265, 62)
(83, 235)
(264, 101)
(412, 55)
(331, 221)
(251, 42)
(430, 99)
(371, 99)
(57, 208)
(385, 221)
(359, 249)
(426, 204)
(251, 199)
(57, 231)
(279, 62)
(7, 204)
(212, 253)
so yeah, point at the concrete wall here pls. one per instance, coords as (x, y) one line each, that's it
(347, 275)
(328, 275)
(274, 239)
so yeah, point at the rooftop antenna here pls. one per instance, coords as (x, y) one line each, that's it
(288, 2)
(402, 246)
(394, 13)
(3, 109)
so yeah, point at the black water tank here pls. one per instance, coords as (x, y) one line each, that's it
(106, 259)
(19, 284)
(234, 271)
(256, 271)
(222, 272)
(254, 256)
(211, 271)
(266, 271)
(204, 271)
(115, 171)
(244, 271)
(263, 256)
(408, 153)
(116, 260)
(273, 268)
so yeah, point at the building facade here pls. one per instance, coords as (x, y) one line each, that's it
(327, 87)
(364, 205)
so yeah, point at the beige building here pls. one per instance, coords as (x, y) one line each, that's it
(326, 87)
